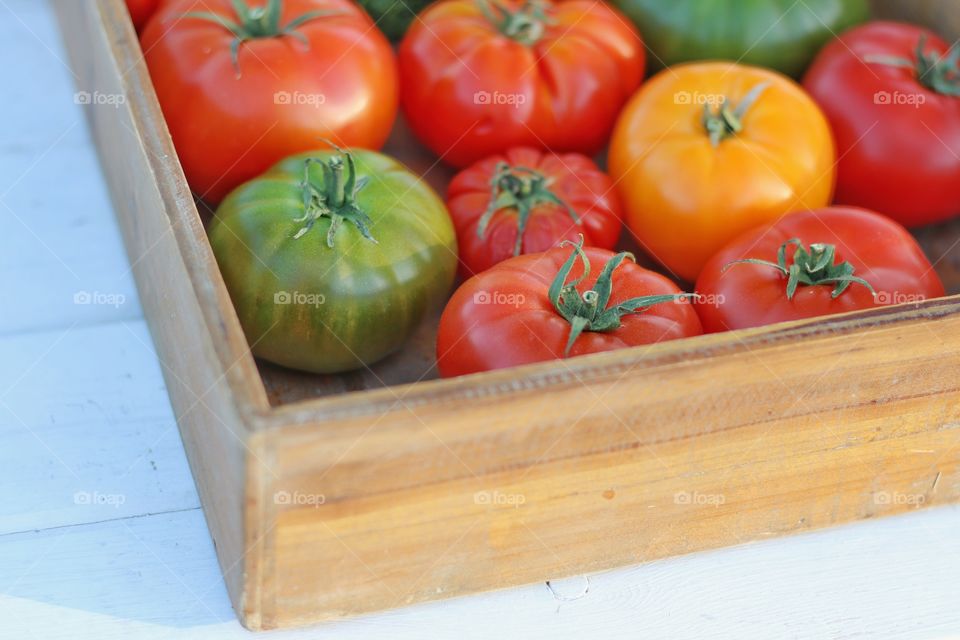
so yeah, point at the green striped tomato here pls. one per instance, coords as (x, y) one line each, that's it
(333, 258)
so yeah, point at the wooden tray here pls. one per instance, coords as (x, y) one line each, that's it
(332, 496)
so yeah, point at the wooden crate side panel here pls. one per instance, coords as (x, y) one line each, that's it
(211, 427)
(430, 503)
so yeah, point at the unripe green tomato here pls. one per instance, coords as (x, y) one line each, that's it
(330, 273)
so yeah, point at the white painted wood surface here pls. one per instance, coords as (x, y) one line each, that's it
(101, 535)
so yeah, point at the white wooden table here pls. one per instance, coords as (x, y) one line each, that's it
(101, 532)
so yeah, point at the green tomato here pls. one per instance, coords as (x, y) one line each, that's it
(394, 16)
(781, 34)
(332, 259)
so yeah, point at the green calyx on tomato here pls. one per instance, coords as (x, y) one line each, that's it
(588, 311)
(811, 266)
(335, 198)
(522, 189)
(727, 120)
(525, 25)
(257, 22)
(935, 72)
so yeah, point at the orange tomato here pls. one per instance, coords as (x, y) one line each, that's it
(706, 151)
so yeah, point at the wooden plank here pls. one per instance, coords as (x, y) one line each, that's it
(593, 475)
(157, 578)
(88, 431)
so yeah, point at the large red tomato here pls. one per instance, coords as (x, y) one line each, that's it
(480, 77)
(558, 304)
(892, 95)
(813, 263)
(527, 201)
(243, 87)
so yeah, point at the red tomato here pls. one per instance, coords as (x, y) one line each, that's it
(140, 11)
(318, 70)
(479, 78)
(892, 95)
(527, 201)
(558, 304)
(846, 259)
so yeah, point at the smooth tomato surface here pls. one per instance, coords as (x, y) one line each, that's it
(898, 139)
(574, 179)
(287, 97)
(469, 89)
(325, 300)
(504, 317)
(880, 250)
(684, 196)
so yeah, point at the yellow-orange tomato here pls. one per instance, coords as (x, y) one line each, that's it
(706, 151)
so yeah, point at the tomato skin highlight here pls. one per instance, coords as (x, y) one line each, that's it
(780, 34)
(573, 178)
(503, 317)
(881, 251)
(309, 306)
(685, 197)
(898, 141)
(288, 98)
(469, 91)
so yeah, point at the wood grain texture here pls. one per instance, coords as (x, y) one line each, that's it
(355, 502)
(201, 349)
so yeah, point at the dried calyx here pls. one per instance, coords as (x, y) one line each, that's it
(522, 189)
(810, 267)
(588, 311)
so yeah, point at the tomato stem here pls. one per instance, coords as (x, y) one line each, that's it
(334, 197)
(525, 25)
(939, 73)
(257, 22)
(810, 267)
(522, 189)
(727, 120)
(588, 311)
